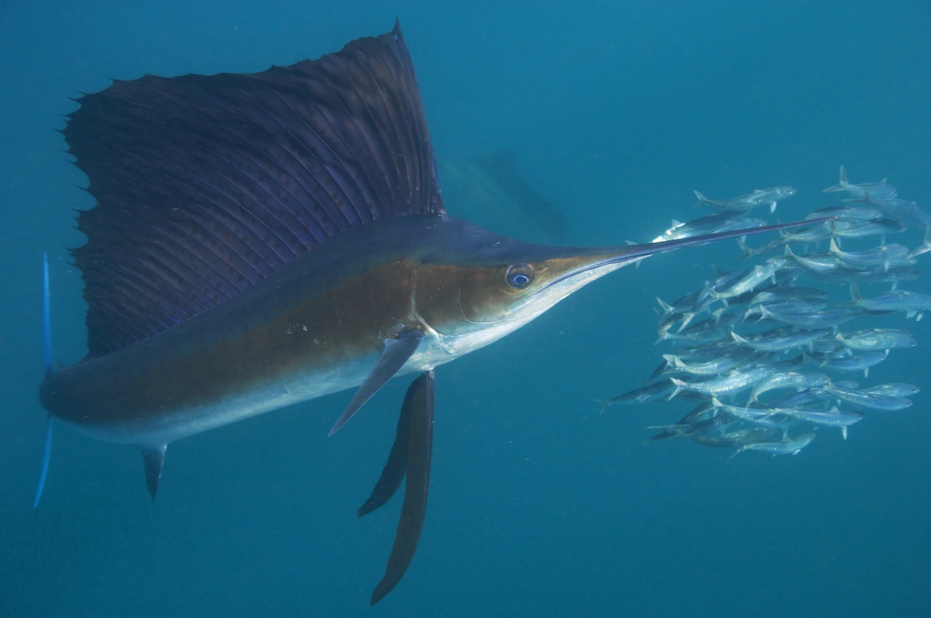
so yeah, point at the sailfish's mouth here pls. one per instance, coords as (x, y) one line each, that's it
(594, 263)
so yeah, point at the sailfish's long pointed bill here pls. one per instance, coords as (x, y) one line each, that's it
(630, 253)
(595, 262)
(639, 251)
(568, 269)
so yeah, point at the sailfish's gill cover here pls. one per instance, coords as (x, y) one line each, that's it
(207, 184)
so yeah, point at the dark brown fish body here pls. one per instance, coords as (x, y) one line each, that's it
(300, 334)
(315, 326)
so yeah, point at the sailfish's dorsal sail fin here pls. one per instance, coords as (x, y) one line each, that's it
(206, 184)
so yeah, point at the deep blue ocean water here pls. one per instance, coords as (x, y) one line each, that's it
(538, 505)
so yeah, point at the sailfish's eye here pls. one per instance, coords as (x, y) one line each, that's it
(519, 276)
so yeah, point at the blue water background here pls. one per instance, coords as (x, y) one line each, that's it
(538, 506)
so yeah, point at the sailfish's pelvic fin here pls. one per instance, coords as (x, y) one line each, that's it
(396, 353)
(411, 453)
(154, 459)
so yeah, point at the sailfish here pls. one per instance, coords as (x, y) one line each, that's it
(262, 240)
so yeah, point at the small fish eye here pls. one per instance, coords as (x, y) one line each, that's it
(519, 276)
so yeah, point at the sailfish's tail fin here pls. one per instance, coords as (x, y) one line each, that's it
(46, 316)
(45, 459)
(47, 360)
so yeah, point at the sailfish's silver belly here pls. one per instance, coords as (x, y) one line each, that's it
(265, 396)
(293, 388)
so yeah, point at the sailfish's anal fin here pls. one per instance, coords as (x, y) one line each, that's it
(418, 446)
(154, 459)
(396, 353)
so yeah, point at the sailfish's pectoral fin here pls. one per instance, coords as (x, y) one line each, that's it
(396, 353)
(154, 459)
(411, 453)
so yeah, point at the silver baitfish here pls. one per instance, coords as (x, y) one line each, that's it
(908, 214)
(750, 281)
(703, 332)
(851, 229)
(671, 320)
(759, 197)
(877, 339)
(650, 392)
(749, 252)
(683, 430)
(730, 384)
(847, 213)
(861, 362)
(789, 379)
(895, 389)
(702, 419)
(810, 235)
(883, 257)
(787, 307)
(814, 262)
(756, 416)
(708, 351)
(739, 437)
(870, 401)
(712, 224)
(781, 339)
(779, 295)
(803, 398)
(681, 305)
(914, 305)
(715, 366)
(925, 246)
(830, 318)
(721, 288)
(848, 275)
(830, 418)
(880, 189)
(788, 446)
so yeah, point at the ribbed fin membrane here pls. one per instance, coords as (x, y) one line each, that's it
(206, 184)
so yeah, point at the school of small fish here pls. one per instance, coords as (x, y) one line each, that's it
(761, 349)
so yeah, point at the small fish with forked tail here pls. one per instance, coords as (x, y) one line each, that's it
(759, 197)
(789, 446)
(870, 400)
(881, 257)
(879, 190)
(861, 362)
(729, 384)
(711, 224)
(877, 339)
(913, 304)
